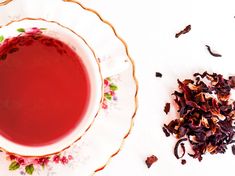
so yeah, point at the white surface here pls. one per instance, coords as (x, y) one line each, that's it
(149, 26)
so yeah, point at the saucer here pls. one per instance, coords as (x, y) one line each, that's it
(104, 139)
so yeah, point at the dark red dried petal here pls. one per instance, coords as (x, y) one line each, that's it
(183, 161)
(171, 127)
(165, 131)
(213, 53)
(181, 132)
(184, 31)
(177, 146)
(150, 160)
(167, 108)
(158, 74)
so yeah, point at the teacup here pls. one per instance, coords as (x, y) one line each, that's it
(47, 92)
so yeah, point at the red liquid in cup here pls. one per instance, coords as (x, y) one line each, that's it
(44, 90)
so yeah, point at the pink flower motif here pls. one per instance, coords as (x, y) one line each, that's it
(12, 157)
(106, 82)
(42, 161)
(112, 93)
(35, 161)
(70, 157)
(104, 105)
(56, 159)
(64, 160)
(21, 161)
(33, 30)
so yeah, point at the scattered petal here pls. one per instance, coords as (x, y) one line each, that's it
(158, 74)
(213, 53)
(184, 31)
(183, 161)
(167, 108)
(150, 160)
(165, 131)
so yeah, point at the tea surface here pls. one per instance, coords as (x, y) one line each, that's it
(44, 90)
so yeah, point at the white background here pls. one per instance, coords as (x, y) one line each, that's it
(148, 27)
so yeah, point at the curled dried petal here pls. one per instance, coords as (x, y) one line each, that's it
(176, 148)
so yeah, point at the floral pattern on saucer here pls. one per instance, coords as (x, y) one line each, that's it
(110, 96)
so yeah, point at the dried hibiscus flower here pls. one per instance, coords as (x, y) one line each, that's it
(165, 131)
(167, 108)
(182, 147)
(158, 74)
(184, 31)
(150, 160)
(205, 114)
(183, 161)
(213, 53)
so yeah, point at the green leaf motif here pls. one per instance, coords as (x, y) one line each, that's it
(43, 29)
(14, 166)
(29, 169)
(113, 87)
(108, 96)
(1, 38)
(21, 30)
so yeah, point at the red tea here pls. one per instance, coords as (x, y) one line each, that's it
(44, 89)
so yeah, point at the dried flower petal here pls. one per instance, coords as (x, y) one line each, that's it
(183, 161)
(184, 31)
(182, 147)
(165, 131)
(213, 53)
(167, 108)
(158, 74)
(150, 160)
